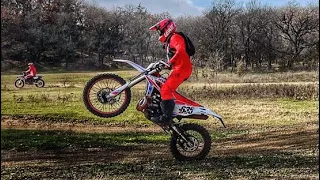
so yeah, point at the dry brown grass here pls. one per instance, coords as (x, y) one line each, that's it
(278, 90)
(208, 76)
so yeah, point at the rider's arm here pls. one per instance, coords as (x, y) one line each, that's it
(33, 71)
(27, 71)
(177, 42)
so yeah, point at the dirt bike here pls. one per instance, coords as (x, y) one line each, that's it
(108, 95)
(36, 80)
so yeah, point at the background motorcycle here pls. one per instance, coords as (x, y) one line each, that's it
(36, 80)
(108, 95)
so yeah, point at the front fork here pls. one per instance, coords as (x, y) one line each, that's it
(176, 132)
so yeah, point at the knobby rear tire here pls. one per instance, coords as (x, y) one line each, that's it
(96, 79)
(206, 138)
(42, 83)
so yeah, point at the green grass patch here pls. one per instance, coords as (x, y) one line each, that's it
(299, 106)
(65, 79)
(61, 99)
(265, 112)
(25, 140)
(247, 110)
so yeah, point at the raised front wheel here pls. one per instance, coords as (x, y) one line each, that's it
(97, 101)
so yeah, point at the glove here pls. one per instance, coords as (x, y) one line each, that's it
(165, 65)
(159, 67)
(168, 67)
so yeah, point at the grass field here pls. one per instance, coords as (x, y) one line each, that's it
(272, 131)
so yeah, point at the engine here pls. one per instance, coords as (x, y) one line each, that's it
(150, 106)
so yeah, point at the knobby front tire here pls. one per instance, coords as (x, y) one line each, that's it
(19, 83)
(104, 84)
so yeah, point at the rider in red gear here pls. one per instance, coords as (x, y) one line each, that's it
(31, 72)
(180, 62)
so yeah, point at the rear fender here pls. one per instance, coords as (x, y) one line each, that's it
(185, 110)
(37, 77)
(215, 115)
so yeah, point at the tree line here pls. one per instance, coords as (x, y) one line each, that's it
(226, 36)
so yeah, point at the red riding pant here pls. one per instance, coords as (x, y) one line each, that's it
(29, 76)
(176, 77)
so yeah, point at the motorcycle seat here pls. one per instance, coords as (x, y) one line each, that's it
(37, 77)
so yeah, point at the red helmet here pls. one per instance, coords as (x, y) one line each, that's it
(165, 28)
(30, 64)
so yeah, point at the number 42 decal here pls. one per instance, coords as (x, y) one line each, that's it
(186, 110)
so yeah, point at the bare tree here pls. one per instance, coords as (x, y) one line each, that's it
(219, 29)
(296, 24)
(103, 30)
(54, 31)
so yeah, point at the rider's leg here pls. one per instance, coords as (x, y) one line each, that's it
(167, 107)
(28, 78)
(167, 104)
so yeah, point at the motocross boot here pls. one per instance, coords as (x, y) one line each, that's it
(167, 107)
(28, 81)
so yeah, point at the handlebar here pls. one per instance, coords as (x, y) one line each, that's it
(152, 68)
(161, 65)
(156, 67)
(165, 64)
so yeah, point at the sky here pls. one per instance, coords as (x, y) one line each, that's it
(183, 7)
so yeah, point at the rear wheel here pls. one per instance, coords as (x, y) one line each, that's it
(96, 100)
(39, 83)
(197, 146)
(19, 83)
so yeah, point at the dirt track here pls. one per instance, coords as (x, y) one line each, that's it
(255, 141)
(289, 144)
